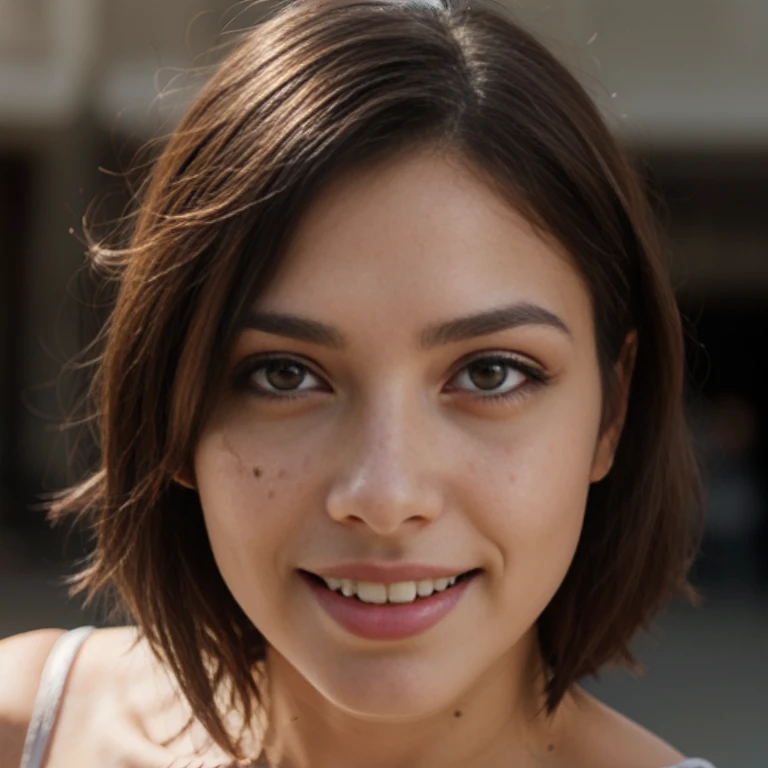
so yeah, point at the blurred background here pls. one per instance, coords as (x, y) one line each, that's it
(684, 84)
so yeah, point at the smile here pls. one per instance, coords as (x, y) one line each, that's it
(401, 592)
(388, 611)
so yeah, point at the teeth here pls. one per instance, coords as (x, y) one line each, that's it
(369, 592)
(379, 594)
(425, 587)
(402, 592)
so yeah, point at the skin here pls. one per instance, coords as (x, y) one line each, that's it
(393, 453)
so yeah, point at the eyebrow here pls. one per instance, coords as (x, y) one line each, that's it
(460, 329)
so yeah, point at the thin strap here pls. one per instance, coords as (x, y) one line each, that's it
(48, 699)
(692, 762)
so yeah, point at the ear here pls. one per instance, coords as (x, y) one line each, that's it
(608, 441)
(186, 478)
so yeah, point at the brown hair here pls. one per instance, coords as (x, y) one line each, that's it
(319, 87)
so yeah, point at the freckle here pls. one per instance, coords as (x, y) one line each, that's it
(457, 713)
(271, 494)
(257, 471)
(551, 748)
(280, 474)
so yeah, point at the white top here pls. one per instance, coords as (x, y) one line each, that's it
(52, 682)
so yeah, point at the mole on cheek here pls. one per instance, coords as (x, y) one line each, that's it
(257, 471)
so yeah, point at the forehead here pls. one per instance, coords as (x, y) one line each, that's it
(418, 238)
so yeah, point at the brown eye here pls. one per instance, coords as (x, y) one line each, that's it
(284, 374)
(496, 376)
(279, 377)
(488, 374)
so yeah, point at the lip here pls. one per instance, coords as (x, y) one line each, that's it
(391, 621)
(384, 573)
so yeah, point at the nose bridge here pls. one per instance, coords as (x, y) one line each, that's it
(386, 479)
(386, 421)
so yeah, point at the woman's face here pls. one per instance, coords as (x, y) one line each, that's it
(416, 395)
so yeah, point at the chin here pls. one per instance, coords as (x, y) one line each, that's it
(394, 706)
(389, 690)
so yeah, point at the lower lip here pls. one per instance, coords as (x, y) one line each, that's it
(391, 621)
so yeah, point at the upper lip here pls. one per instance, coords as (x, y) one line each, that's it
(388, 573)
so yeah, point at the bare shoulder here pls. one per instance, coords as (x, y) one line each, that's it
(108, 681)
(605, 738)
(22, 658)
(121, 707)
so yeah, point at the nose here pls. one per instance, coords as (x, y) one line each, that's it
(389, 481)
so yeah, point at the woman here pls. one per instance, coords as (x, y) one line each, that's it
(393, 450)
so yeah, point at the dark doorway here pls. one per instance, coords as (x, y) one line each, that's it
(15, 183)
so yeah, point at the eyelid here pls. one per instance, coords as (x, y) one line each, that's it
(248, 366)
(525, 362)
(534, 372)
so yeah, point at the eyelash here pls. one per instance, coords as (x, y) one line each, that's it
(535, 377)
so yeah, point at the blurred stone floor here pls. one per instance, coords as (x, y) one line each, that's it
(705, 689)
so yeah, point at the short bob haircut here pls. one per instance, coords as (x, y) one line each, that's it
(317, 88)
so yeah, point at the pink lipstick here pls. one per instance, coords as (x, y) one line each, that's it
(390, 620)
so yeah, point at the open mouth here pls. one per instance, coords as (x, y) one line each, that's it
(399, 593)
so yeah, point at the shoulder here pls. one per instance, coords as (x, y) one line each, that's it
(604, 738)
(22, 658)
(119, 702)
(104, 665)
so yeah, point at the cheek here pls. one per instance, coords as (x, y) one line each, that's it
(533, 497)
(530, 487)
(249, 500)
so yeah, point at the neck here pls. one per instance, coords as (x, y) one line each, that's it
(499, 721)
